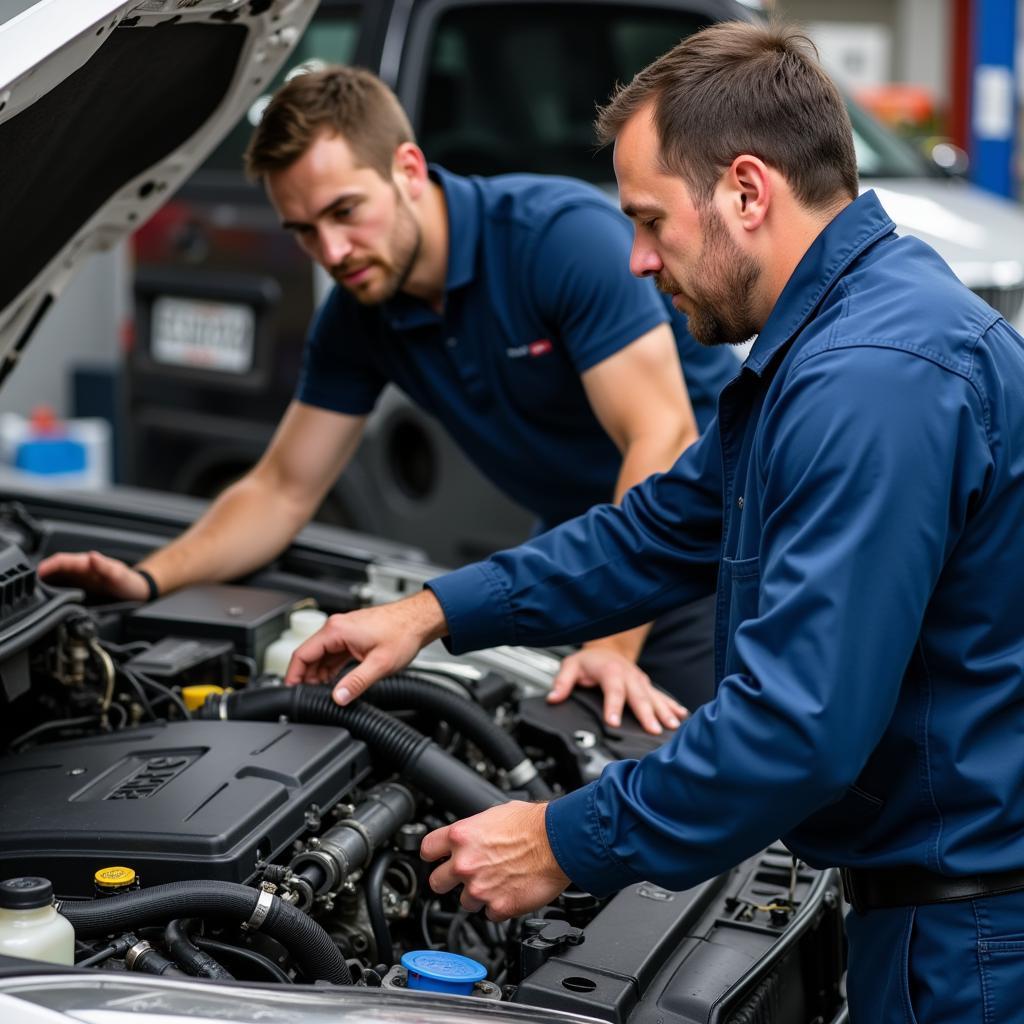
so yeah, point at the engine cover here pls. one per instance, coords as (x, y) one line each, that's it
(176, 800)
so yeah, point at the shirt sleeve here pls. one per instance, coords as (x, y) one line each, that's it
(871, 460)
(337, 370)
(583, 288)
(611, 569)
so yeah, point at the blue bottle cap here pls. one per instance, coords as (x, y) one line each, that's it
(433, 970)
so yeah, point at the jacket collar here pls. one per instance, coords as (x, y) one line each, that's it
(857, 227)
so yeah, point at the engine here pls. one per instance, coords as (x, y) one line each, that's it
(199, 819)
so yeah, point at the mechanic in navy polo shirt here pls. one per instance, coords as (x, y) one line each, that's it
(502, 306)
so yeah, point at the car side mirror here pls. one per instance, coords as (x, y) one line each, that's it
(950, 158)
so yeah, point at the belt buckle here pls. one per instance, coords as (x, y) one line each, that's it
(851, 892)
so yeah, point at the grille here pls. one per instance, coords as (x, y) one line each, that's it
(17, 589)
(1005, 301)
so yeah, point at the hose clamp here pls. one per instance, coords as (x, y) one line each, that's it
(222, 707)
(521, 774)
(260, 911)
(135, 952)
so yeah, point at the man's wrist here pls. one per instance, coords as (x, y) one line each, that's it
(428, 616)
(154, 587)
(625, 644)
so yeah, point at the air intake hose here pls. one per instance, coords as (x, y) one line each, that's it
(419, 760)
(406, 692)
(313, 949)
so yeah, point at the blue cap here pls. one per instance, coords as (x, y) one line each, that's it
(433, 970)
(47, 455)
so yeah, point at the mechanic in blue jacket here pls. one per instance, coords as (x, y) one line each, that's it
(859, 501)
(503, 307)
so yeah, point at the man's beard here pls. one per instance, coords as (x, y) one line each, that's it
(406, 241)
(721, 301)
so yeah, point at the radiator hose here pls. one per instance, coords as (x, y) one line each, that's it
(407, 692)
(313, 949)
(186, 954)
(420, 761)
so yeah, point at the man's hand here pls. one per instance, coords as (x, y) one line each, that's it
(383, 639)
(96, 574)
(501, 857)
(623, 683)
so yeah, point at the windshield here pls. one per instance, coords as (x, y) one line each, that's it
(881, 154)
(485, 110)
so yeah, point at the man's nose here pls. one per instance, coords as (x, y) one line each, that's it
(644, 261)
(334, 245)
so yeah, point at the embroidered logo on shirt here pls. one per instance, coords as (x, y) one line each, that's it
(540, 347)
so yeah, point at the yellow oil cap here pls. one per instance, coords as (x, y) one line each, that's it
(114, 877)
(195, 696)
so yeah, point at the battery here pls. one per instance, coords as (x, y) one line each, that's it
(184, 661)
(249, 617)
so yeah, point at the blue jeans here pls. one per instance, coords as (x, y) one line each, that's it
(953, 963)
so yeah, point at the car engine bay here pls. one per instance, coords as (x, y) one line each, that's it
(197, 819)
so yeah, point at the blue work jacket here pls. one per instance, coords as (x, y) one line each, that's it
(860, 503)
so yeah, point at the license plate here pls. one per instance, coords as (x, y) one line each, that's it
(203, 335)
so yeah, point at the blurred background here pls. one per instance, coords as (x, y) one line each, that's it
(187, 341)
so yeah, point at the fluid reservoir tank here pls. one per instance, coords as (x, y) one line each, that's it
(301, 625)
(30, 926)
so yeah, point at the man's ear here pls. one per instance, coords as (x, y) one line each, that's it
(747, 186)
(409, 166)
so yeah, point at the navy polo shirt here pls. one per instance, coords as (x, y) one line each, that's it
(537, 292)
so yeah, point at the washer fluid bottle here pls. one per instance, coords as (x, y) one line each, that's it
(301, 626)
(30, 926)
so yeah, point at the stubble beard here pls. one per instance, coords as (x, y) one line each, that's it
(721, 301)
(406, 241)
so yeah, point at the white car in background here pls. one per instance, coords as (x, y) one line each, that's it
(980, 235)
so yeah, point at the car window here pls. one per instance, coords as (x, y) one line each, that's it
(881, 154)
(512, 87)
(329, 39)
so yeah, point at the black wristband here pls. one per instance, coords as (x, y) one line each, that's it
(154, 590)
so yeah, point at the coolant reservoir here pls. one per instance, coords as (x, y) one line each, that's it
(301, 625)
(30, 926)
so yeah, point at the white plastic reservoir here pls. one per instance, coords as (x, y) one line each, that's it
(301, 626)
(30, 926)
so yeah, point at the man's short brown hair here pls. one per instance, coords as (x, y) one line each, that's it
(336, 100)
(735, 88)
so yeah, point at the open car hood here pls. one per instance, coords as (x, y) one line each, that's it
(106, 107)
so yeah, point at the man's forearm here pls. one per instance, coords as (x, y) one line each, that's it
(249, 524)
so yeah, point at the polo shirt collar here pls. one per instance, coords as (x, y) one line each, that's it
(403, 312)
(463, 226)
(857, 227)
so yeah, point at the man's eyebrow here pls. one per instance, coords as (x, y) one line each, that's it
(345, 197)
(634, 210)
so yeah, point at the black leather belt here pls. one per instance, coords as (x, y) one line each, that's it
(876, 889)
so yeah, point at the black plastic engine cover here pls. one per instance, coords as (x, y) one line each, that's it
(174, 801)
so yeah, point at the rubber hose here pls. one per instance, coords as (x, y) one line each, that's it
(445, 779)
(401, 692)
(189, 956)
(249, 955)
(313, 949)
(373, 886)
